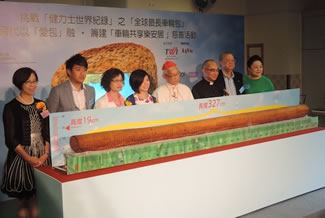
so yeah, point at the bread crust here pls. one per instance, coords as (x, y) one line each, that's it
(119, 138)
(125, 56)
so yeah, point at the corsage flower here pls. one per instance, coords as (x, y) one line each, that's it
(127, 103)
(40, 106)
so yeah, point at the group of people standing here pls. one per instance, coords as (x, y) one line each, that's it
(25, 118)
(75, 95)
(225, 81)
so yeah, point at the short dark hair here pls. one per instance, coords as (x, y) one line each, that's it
(21, 76)
(206, 61)
(136, 79)
(252, 59)
(108, 76)
(77, 59)
(223, 54)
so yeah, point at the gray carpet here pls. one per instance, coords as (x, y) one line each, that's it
(8, 209)
(319, 214)
(310, 205)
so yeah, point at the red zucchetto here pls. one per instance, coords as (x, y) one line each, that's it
(168, 64)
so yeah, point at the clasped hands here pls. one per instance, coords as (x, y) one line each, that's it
(37, 162)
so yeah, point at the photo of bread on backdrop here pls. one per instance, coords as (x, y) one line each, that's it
(125, 56)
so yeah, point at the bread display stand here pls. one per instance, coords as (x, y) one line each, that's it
(86, 161)
(66, 125)
(227, 181)
(243, 170)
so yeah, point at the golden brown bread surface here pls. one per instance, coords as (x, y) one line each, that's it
(125, 56)
(118, 138)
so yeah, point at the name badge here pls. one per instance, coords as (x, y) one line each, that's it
(45, 114)
(91, 102)
(242, 89)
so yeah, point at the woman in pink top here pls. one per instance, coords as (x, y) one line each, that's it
(113, 82)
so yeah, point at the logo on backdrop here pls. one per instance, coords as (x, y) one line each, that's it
(185, 43)
(187, 50)
(171, 52)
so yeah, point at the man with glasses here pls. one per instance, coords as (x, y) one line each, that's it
(208, 87)
(229, 80)
(172, 90)
(73, 94)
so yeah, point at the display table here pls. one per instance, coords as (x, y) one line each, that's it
(226, 181)
(320, 112)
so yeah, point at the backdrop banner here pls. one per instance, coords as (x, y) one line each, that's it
(43, 36)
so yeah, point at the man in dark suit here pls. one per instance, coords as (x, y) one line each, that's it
(207, 87)
(73, 94)
(229, 80)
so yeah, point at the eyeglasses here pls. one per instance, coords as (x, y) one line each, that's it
(28, 82)
(211, 70)
(229, 60)
(118, 81)
(172, 75)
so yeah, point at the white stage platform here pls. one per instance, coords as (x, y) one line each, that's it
(225, 182)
